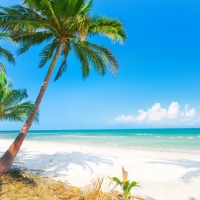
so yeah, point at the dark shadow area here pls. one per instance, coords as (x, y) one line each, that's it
(188, 164)
(192, 198)
(52, 164)
(17, 175)
(13, 178)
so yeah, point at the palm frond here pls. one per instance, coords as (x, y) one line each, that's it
(19, 17)
(11, 107)
(83, 60)
(47, 53)
(28, 40)
(2, 77)
(2, 67)
(73, 7)
(93, 56)
(4, 53)
(48, 4)
(86, 8)
(63, 67)
(14, 97)
(20, 111)
(69, 21)
(112, 28)
(7, 37)
(108, 56)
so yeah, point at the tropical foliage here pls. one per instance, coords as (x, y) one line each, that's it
(11, 106)
(126, 185)
(4, 53)
(65, 24)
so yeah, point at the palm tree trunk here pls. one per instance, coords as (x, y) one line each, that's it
(7, 159)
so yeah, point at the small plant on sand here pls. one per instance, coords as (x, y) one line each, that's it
(126, 185)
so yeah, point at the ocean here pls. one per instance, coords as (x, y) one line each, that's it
(166, 139)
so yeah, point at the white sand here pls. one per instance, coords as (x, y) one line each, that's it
(162, 175)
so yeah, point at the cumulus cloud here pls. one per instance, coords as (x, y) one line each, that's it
(125, 119)
(189, 112)
(142, 115)
(173, 110)
(157, 113)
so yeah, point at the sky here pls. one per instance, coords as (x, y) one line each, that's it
(158, 84)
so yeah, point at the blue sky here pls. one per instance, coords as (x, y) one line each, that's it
(158, 84)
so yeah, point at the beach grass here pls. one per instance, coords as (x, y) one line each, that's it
(22, 185)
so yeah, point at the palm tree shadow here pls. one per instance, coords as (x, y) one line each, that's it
(17, 175)
(149, 198)
(188, 164)
(58, 164)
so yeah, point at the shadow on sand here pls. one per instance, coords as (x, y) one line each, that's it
(149, 198)
(58, 164)
(188, 164)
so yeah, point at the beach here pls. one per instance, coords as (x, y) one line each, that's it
(99, 87)
(163, 174)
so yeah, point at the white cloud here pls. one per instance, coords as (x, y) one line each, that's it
(173, 110)
(125, 119)
(189, 112)
(156, 113)
(143, 115)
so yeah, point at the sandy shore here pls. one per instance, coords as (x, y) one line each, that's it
(162, 175)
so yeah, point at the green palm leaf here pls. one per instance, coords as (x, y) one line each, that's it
(69, 21)
(12, 108)
(2, 67)
(28, 40)
(117, 181)
(47, 53)
(133, 184)
(112, 28)
(86, 8)
(4, 53)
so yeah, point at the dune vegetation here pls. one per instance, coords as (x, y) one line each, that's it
(19, 185)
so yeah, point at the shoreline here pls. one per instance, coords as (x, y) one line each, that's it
(156, 139)
(164, 175)
(188, 151)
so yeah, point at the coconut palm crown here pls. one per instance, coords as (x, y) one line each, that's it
(63, 26)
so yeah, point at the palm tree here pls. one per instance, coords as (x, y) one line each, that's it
(65, 25)
(11, 107)
(4, 52)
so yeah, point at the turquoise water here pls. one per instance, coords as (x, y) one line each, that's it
(180, 139)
